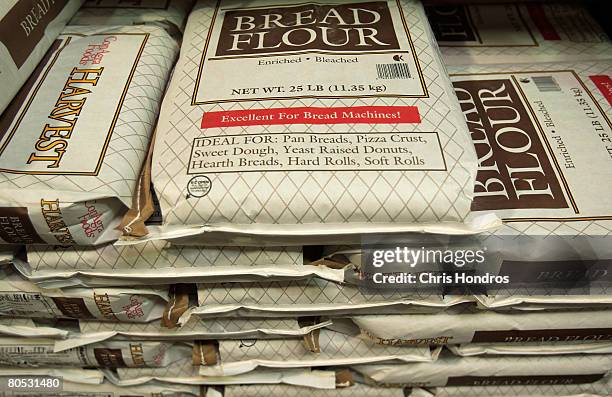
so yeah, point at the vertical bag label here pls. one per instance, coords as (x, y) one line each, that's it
(515, 171)
(480, 25)
(67, 120)
(348, 49)
(25, 24)
(538, 136)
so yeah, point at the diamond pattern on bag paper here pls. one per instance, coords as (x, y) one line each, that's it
(357, 390)
(313, 197)
(208, 326)
(156, 255)
(311, 297)
(336, 349)
(179, 369)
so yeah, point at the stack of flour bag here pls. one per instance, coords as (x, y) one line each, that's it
(248, 155)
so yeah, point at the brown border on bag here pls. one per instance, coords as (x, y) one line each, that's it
(412, 53)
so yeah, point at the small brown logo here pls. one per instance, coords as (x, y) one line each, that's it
(348, 27)
(109, 358)
(514, 170)
(73, 307)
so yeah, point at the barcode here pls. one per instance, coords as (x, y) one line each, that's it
(546, 83)
(390, 71)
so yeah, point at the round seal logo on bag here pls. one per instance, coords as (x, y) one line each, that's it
(198, 186)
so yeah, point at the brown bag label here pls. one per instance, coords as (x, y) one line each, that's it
(24, 26)
(522, 380)
(451, 23)
(73, 308)
(109, 358)
(543, 335)
(343, 27)
(514, 170)
(16, 227)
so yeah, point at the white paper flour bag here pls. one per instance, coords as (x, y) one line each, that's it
(301, 124)
(27, 328)
(120, 12)
(492, 371)
(185, 373)
(321, 348)
(30, 352)
(92, 331)
(531, 349)
(549, 31)
(452, 328)
(74, 140)
(543, 137)
(21, 298)
(312, 297)
(27, 30)
(159, 262)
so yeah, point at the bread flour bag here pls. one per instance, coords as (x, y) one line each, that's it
(312, 297)
(184, 372)
(492, 371)
(118, 12)
(345, 124)
(74, 140)
(27, 30)
(323, 347)
(455, 327)
(210, 329)
(27, 328)
(499, 33)
(531, 348)
(30, 352)
(21, 298)
(543, 137)
(159, 262)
